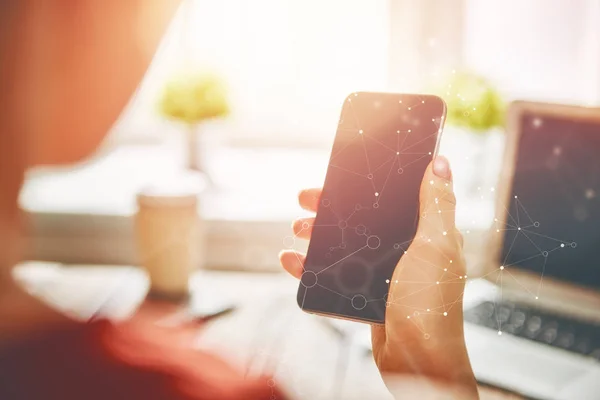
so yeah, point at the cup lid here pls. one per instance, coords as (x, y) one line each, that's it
(177, 190)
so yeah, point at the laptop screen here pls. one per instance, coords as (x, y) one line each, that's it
(553, 226)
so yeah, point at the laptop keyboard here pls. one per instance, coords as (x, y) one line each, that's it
(541, 326)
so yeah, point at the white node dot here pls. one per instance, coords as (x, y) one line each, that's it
(499, 333)
(502, 267)
(422, 101)
(465, 277)
(562, 245)
(444, 233)
(519, 228)
(387, 281)
(429, 153)
(431, 182)
(361, 131)
(408, 317)
(409, 108)
(400, 101)
(445, 314)
(536, 297)
(450, 261)
(445, 269)
(410, 130)
(429, 240)
(397, 153)
(397, 131)
(439, 211)
(460, 277)
(376, 194)
(492, 189)
(404, 251)
(497, 230)
(428, 310)
(515, 197)
(437, 283)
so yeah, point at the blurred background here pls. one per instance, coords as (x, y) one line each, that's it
(247, 95)
(273, 75)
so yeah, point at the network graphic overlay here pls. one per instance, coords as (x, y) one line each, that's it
(551, 229)
(368, 210)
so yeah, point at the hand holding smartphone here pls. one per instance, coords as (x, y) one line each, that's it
(368, 211)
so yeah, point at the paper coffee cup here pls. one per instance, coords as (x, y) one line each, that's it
(169, 235)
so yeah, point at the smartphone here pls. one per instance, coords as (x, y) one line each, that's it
(368, 211)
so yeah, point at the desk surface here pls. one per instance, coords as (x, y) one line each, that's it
(267, 332)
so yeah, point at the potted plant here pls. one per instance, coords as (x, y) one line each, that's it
(192, 99)
(475, 118)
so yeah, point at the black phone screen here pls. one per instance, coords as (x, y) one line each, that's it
(368, 211)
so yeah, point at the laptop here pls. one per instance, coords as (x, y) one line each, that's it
(532, 319)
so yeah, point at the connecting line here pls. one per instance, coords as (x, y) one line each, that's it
(340, 260)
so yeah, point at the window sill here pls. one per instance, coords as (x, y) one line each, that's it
(82, 215)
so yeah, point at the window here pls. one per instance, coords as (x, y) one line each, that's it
(288, 64)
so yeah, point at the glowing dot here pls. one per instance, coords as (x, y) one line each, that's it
(422, 101)
(497, 230)
(460, 277)
(450, 261)
(537, 122)
(361, 131)
(474, 109)
(562, 245)
(519, 228)
(590, 194)
(397, 131)
(536, 297)
(431, 182)
(496, 219)
(445, 269)
(515, 197)
(408, 317)
(429, 240)
(429, 153)
(410, 130)
(355, 94)
(404, 251)
(376, 194)
(502, 267)
(387, 281)
(499, 333)
(409, 108)
(492, 189)
(439, 211)
(400, 101)
(397, 152)
(396, 280)
(465, 277)
(428, 309)
(433, 119)
(445, 314)
(468, 231)
(444, 233)
(437, 283)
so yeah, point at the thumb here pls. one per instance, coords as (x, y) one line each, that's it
(437, 203)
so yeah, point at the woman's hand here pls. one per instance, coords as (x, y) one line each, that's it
(423, 332)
